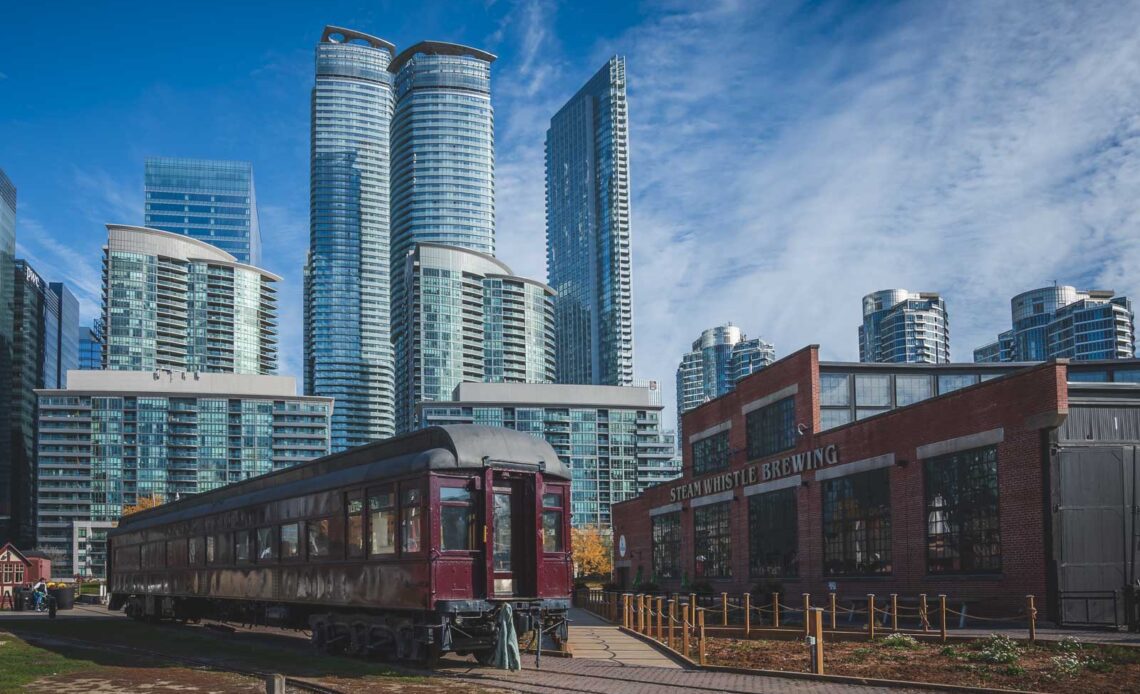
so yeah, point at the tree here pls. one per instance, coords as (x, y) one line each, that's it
(144, 502)
(592, 551)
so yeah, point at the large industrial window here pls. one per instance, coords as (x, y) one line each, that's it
(382, 521)
(552, 521)
(411, 519)
(771, 429)
(712, 541)
(963, 533)
(857, 524)
(710, 454)
(772, 538)
(354, 524)
(667, 545)
(456, 519)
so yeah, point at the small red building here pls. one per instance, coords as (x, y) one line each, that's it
(21, 569)
(982, 482)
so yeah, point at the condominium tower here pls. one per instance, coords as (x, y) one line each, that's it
(209, 200)
(902, 327)
(720, 357)
(7, 292)
(467, 317)
(174, 302)
(348, 347)
(588, 257)
(1064, 322)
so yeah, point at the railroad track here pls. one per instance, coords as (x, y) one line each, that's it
(291, 683)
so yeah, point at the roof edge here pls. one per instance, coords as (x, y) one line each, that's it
(350, 34)
(438, 48)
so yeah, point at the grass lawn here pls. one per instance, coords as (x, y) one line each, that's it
(21, 663)
(995, 662)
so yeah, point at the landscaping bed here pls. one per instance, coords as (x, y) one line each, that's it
(995, 661)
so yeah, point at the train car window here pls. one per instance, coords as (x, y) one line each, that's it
(411, 519)
(176, 553)
(456, 519)
(290, 540)
(211, 551)
(318, 534)
(382, 521)
(552, 521)
(266, 550)
(354, 524)
(243, 549)
(223, 548)
(196, 551)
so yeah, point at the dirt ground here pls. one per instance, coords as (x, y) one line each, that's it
(132, 680)
(983, 663)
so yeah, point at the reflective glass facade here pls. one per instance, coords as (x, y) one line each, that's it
(348, 348)
(466, 317)
(901, 327)
(91, 346)
(1064, 322)
(171, 302)
(588, 257)
(610, 436)
(209, 200)
(117, 437)
(7, 313)
(720, 357)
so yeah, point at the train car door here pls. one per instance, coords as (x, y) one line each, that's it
(512, 537)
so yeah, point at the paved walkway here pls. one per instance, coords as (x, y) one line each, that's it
(594, 638)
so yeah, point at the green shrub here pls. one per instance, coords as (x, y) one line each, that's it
(996, 649)
(903, 641)
(1069, 645)
(948, 651)
(1098, 665)
(1067, 665)
(1012, 670)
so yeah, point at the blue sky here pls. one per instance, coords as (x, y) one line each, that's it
(787, 158)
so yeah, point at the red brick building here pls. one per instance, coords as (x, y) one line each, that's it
(871, 478)
(20, 569)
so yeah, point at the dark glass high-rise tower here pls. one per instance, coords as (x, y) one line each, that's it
(348, 348)
(7, 313)
(588, 259)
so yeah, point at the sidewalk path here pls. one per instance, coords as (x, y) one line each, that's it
(594, 638)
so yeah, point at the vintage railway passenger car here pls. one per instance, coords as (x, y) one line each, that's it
(405, 548)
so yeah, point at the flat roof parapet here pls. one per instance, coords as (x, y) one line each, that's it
(438, 48)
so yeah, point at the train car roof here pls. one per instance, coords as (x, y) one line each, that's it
(441, 448)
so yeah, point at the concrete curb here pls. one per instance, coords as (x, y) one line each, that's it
(835, 679)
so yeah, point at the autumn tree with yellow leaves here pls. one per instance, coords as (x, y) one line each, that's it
(144, 502)
(592, 551)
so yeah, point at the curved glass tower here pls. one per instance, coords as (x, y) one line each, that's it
(904, 327)
(348, 349)
(443, 149)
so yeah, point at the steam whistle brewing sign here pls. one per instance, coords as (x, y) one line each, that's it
(761, 472)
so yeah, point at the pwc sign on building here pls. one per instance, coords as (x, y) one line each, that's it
(859, 478)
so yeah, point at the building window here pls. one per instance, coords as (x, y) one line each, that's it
(710, 454)
(963, 532)
(834, 389)
(771, 429)
(872, 390)
(772, 534)
(667, 545)
(910, 389)
(831, 417)
(9, 575)
(948, 383)
(857, 524)
(456, 519)
(712, 541)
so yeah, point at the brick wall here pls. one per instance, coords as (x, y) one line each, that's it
(1023, 405)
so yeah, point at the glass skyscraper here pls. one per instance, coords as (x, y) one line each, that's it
(1064, 322)
(111, 438)
(588, 259)
(91, 346)
(901, 327)
(7, 314)
(348, 341)
(467, 317)
(720, 357)
(610, 436)
(174, 302)
(209, 200)
(46, 326)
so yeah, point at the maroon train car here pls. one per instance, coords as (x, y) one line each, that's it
(407, 547)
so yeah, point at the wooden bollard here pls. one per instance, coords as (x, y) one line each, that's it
(693, 602)
(923, 614)
(701, 643)
(775, 610)
(817, 631)
(807, 609)
(685, 630)
(942, 610)
(871, 615)
(660, 603)
(747, 614)
(625, 610)
(831, 601)
(724, 609)
(672, 618)
(641, 614)
(1031, 611)
(894, 611)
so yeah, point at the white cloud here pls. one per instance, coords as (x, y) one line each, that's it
(56, 261)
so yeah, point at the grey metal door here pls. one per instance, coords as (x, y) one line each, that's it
(1095, 542)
